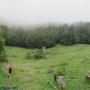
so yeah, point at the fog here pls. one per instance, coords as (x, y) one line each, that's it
(44, 11)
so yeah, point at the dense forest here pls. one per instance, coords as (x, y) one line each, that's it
(48, 36)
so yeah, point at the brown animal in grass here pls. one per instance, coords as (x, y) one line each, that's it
(10, 68)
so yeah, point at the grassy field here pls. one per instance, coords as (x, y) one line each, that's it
(34, 74)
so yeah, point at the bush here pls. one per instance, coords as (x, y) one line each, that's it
(59, 72)
(39, 54)
(28, 55)
(2, 50)
(3, 57)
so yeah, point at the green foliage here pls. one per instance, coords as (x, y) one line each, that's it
(28, 55)
(30, 38)
(60, 72)
(33, 75)
(48, 36)
(3, 57)
(39, 54)
(2, 51)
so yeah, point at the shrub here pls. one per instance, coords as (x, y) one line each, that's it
(28, 55)
(2, 50)
(59, 72)
(39, 54)
(3, 57)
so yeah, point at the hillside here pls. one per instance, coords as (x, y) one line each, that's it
(34, 74)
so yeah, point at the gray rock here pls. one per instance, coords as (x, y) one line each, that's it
(60, 81)
(87, 75)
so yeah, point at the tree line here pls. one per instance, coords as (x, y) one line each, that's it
(48, 36)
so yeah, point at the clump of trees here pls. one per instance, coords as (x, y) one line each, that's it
(37, 54)
(3, 57)
(2, 50)
(28, 55)
(48, 36)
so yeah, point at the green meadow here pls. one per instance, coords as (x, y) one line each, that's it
(36, 74)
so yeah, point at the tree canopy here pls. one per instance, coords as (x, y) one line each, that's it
(48, 36)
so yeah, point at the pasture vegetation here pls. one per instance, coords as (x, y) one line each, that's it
(33, 74)
(36, 69)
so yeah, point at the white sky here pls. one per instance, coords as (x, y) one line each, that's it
(44, 11)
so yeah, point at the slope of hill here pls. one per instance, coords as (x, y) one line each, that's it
(34, 74)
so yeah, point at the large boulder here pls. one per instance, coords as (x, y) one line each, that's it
(60, 81)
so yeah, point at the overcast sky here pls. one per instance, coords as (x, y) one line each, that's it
(44, 11)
